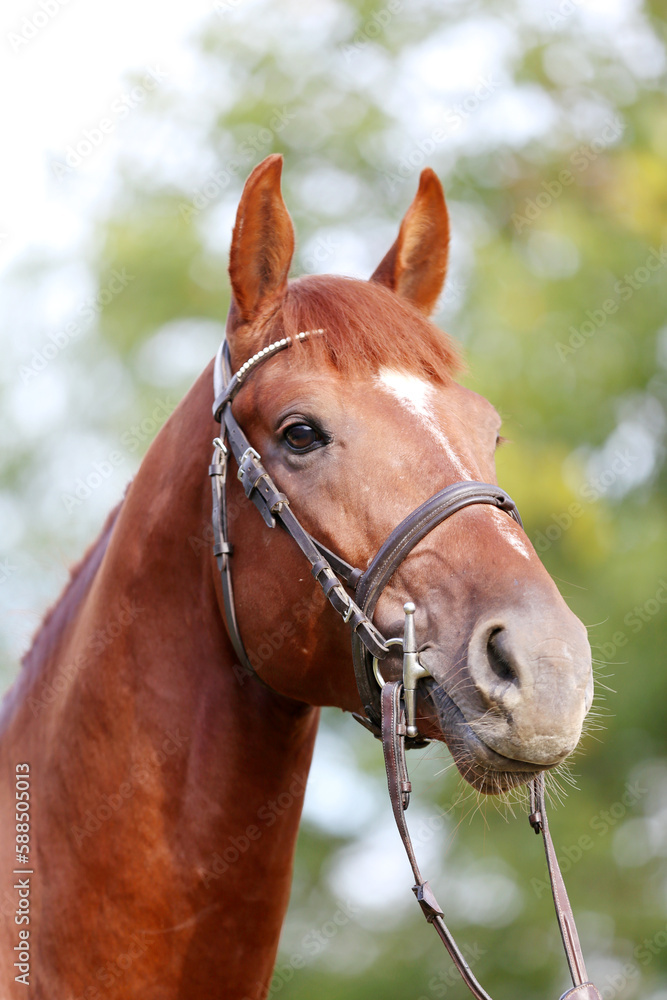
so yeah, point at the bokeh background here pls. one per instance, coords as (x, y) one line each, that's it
(129, 130)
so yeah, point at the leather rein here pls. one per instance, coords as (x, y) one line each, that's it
(389, 706)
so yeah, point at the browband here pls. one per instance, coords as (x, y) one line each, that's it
(225, 392)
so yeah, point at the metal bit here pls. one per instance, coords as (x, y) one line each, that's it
(412, 668)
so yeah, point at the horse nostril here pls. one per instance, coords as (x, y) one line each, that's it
(499, 658)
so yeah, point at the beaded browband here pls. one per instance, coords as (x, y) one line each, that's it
(226, 395)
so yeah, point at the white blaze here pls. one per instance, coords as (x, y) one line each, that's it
(509, 529)
(416, 396)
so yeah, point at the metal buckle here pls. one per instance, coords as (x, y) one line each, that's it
(244, 456)
(343, 594)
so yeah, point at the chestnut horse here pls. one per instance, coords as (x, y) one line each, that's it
(165, 783)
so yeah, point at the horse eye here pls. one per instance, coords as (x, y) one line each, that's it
(302, 437)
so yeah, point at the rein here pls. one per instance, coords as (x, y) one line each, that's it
(389, 706)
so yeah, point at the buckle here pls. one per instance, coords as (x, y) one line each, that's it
(248, 453)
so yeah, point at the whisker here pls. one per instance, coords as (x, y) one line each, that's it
(603, 621)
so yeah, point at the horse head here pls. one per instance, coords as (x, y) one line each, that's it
(359, 423)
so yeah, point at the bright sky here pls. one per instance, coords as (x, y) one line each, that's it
(63, 66)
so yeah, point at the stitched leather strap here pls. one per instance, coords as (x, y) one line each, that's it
(223, 550)
(393, 746)
(340, 567)
(587, 991)
(274, 506)
(400, 543)
(568, 929)
(398, 782)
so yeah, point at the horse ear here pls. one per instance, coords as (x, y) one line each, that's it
(416, 265)
(262, 245)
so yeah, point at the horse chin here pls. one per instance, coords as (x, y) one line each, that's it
(482, 767)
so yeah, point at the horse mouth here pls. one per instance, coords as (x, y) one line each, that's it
(479, 764)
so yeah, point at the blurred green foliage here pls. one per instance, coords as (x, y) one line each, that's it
(582, 386)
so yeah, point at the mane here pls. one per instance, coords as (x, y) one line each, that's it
(367, 327)
(80, 575)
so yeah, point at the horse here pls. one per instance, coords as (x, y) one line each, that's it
(154, 768)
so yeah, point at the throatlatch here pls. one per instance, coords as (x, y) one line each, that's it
(390, 706)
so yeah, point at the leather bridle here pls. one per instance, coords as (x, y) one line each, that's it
(389, 706)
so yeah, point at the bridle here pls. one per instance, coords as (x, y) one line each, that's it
(330, 570)
(389, 706)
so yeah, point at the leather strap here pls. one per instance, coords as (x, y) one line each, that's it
(393, 746)
(223, 550)
(587, 991)
(539, 822)
(274, 506)
(400, 543)
(398, 782)
(418, 524)
(340, 567)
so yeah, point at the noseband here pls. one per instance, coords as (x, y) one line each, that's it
(389, 706)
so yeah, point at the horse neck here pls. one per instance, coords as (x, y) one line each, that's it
(208, 765)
